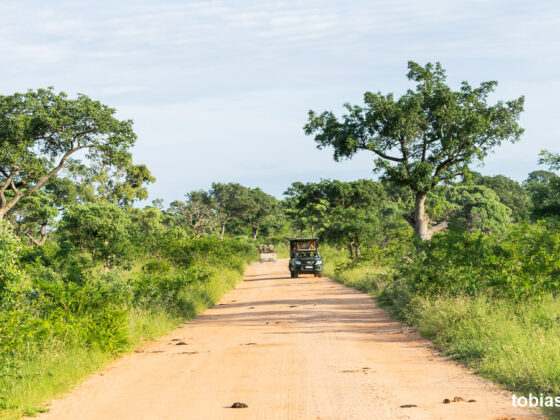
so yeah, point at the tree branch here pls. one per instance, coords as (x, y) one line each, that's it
(384, 156)
(405, 155)
(439, 227)
(9, 205)
(43, 233)
(9, 181)
(409, 219)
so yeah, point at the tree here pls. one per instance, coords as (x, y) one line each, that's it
(343, 213)
(510, 193)
(229, 201)
(195, 214)
(544, 187)
(115, 179)
(99, 229)
(40, 130)
(354, 214)
(478, 208)
(35, 211)
(147, 227)
(262, 206)
(426, 137)
(306, 204)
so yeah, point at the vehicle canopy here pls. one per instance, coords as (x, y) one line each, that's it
(300, 244)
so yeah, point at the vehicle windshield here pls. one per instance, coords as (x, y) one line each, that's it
(306, 254)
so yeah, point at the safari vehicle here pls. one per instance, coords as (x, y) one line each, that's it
(305, 258)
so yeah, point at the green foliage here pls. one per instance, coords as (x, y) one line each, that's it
(306, 205)
(471, 208)
(47, 316)
(428, 136)
(92, 313)
(229, 201)
(344, 213)
(544, 188)
(14, 281)
(510, 193)
(171, 292)
(262, 208)
(518, 265)
(354, 215)
(40, 130)
(99, 229)
(196, 215)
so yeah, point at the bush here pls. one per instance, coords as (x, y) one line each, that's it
(69, 308)
(520, 264)
(14, 281)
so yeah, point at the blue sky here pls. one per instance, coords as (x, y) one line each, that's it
(219, 90)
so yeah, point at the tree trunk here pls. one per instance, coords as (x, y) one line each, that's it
(312, 231)
(421, 222)
(223, 232)
(255, 233)
(351, 249)
(421, 219)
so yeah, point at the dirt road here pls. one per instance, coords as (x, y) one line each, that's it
(305, 348)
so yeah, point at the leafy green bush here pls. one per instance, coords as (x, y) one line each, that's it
(14, 281)
(52, 314)
(169, 291)
(520, 264)
(100, 229)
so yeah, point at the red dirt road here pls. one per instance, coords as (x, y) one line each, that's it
(305, 348)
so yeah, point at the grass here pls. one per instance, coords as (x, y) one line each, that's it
(56, 369)
(515, 344)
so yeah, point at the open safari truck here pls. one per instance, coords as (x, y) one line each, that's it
(266, 253)
(305, 257)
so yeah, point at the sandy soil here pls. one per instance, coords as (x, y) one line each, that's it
(305, 348)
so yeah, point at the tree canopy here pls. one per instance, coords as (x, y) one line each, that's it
(40, 130)
(429, 135)
(544, 187)
(510, 193)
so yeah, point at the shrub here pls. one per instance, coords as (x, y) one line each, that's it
(520, 264)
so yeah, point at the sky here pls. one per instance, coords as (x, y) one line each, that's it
(219, 90)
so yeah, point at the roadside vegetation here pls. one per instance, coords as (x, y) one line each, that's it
(478, 273)
(470, 260)
(84, 275)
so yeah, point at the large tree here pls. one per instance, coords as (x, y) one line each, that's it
(261, 207)
(354, 214)
(229, 201)
(40, 130)
(426, 137)
(469, 207)
(99, 229)
(510, 192)
(544, 187)
(115, 178)
(306, 204)
(196, 214)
